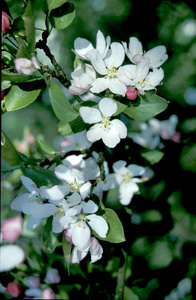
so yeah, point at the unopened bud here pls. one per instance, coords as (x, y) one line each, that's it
(5, 21)
(131, 93)
(13, 289)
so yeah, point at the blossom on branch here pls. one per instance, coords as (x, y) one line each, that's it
(26, 66)
(109, 131)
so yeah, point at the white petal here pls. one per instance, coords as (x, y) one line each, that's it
(75, 90)
(90, 115)
(96, 250)
(126, 192)
(142, 70)
(126, 74)
(108, 107)
(90, 71)
(28, 183)
(136, 170)
(74, 199)
(43, 211)
(98, 224)
(81, 236)
(115, 57)
(85, 81)
(111, 182)
(89, 207)
(11, 255)
(77, 72)
(17, 202)
(56, 192)
(85, 189)
(135, 47)
(33, 223)
(122, 129)
(77, 255)
(118, 165)
(100, 85)
(157, 56)
(94, 133)
(111, 137)
(155, 77)
(73, 211)
(82, 46)
(97, 61)
(100, 43)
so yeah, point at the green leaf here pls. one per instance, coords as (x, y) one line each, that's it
(66, 251)
(121, 107)
(69, 128)
(53, 4)
(16, 77)
(29, 25)
(63, 16)
(49, 238)
(116, 231)
(88, 103)
(46, 147)
(23, 49)
(40, 176)
(153, 156)
(160, 255)
(9, 153)
(18, 98)
(146, 107)
(60, 104)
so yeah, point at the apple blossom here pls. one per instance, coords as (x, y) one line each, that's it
(52, 276)
(14, 289)
(11, 255)
(157, 55)
(48, 293)
(33, 282)
(82, 80)
(77, 141)
(108, 68)
(12, 228)
(26, 66)
(83, 46)
(124, 177)
(109, 131)
(140, 77)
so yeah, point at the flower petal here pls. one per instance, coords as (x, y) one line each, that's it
(94, 133)
(117, 87)
(90, 115)
(89, 207)
(43, 211)
(82, 46)
(97, 61)
(77, 255)
(115, 56)
(100, 85)
(33, 223)
(11, 255)
(28, 183)
(157, 56)
(126, 192)
(108, 107)
(81, 236)
(98, 224)
(56, 192)
(122, 129)
(136, 170)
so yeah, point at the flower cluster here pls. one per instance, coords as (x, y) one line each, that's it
(106, 69)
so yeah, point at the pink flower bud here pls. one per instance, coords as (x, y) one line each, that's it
(14, 289)
(176, 137)
(68, 235)
(24, 66)
(5, 21)
(12, 229)
(31, 139)
(52, 276)
(48, 294)
(131, 93)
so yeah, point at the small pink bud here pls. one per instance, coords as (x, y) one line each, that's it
(12, 229)
(131, 93)
(14, 289)
(176, 137)
(5, 21)
(48, 294)
(68, 235)
(31, 139)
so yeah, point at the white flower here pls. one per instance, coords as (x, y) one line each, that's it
(83, 46)
(77, 141)
(140, 77)
(124, 177)
(11, 255)
(109, 131)
(32, 203)
(82, 80)
(157, 55)
(78, 218)
(108, 67)
(26, 66)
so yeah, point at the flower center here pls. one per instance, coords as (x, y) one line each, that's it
(111, 72)
(82, 217)
(36, 199)
(74, 186)
(105, 122)
(58, 212)
(127, 177)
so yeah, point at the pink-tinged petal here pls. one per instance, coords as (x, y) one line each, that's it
(124, 76)
(95, 250)
(82, 46)
(115, 56)
(89, 207)
(56, 192)
(100, 85)
(28, 183)
(77, 255)
(85, 81)
(97, 61)
(117, 87)
(75, 90)
(136, 170)
(98, 224)
(157, 56)
(33, 223)
(94, 133)
(12, 228)
(140, 89)
(142, 69)
(126, 192)
(135, 47)
(81, 236)
(11, 255)
(122, 129)
(90, 115)
(108, 107)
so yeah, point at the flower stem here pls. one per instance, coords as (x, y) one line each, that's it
(121, 277)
